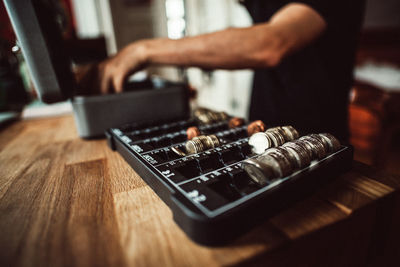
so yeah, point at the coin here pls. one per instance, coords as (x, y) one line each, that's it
(260, 142)
(194, 146)
(222, 116)
(276, 137)
(212, 116)
(279, 130)
(275, 162)
(192, 132)
(206, 142)
(301, 154)
(315, 146)
(306, 147)
(255, 127)
(235, 122)
(284, 165)
(291, 132)
(334, 144)
(202, 115)
(210, 143)
(282, 151)
(324, 142)
(178, 151)
(201, 143)
(288, 162)
(214, 140)
(258, 172)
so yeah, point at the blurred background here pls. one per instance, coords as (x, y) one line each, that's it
(95, 29)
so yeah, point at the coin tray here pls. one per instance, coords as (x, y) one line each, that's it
(212, 198)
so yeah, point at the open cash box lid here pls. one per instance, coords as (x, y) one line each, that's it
(41, 43)
(40, 38)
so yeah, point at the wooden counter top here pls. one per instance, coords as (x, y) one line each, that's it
(65, 201)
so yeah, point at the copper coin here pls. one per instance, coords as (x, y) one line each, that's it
(235, 122)
(255, 127)
(192, 132)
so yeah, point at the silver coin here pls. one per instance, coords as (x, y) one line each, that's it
(207, 142)
(194, 146)
(270, 161)
(177, 151)
(214, 139)
(334, 144)
(274, 139)
(284, 163)
(260, 142)
(315, 146)
(222, 116)
(301, 154)
(278, 135)
(212, 116)
(258, 172)
(306, 148)
(284, 134)
(291, 132)
(282, 151)
(324, 142)
(277, 162)
(210, 142)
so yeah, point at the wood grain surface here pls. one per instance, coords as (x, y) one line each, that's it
(65, 201)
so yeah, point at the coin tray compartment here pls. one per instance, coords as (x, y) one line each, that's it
(212, 198)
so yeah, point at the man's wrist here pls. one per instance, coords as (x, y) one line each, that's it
(153, 51)
(141, 50)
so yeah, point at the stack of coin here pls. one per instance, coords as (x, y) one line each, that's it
(260, 142)
(299, 152)
(294, 155)
(333, 143)
(272, 137)
(315, 146)
(267, 167)
(207, 116)
(202, 143)
(291, 132)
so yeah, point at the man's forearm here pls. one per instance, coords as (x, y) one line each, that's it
(259, 46)
(234, 48)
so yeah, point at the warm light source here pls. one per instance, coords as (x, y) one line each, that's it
(176, 24)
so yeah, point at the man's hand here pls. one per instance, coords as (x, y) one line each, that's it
(113, 71)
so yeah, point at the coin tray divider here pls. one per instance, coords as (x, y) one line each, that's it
(212, 199)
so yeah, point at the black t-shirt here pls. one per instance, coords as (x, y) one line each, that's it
(310, 88)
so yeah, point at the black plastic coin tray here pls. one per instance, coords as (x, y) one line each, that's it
(212, 199)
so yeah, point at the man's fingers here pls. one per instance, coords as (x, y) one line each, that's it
(105, 83)
(118, 82)
(114, 70)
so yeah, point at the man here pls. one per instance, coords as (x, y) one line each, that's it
(302, 53)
